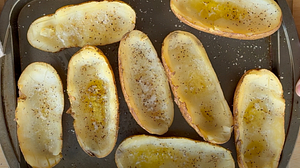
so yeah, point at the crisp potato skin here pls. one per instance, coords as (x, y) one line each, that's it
(258, 110)
(89, 23)
(39, 115)
(144, 83)
(196, 88)
(94, 101)
(241, 19)
(144, 151)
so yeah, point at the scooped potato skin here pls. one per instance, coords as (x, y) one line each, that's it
(39, 115)
(90, 23)
(94, 101)
(254, 19)
(268, 149)
(145, 84)
(196, 88)
(146, 151)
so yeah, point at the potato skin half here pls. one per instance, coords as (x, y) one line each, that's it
(145, 151)
(258, 110)
(230, 18)
(39, 115)
(90, 23)
(94, 101)
(196, 88)
(144, 83)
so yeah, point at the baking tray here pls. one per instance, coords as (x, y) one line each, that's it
(230, 58)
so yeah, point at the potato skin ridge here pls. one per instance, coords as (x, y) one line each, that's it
(258, 109)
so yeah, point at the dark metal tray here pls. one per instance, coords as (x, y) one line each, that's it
(231, 58)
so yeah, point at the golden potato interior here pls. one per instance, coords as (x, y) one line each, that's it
(94, 102)
(259, 119)
(39, 115)
(90, 23)
(145, 84)
(196, 87)
(144, 151)
(230, 18)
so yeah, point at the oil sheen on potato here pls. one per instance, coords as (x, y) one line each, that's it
(94, 102)
(196, 87)
(236, 19)
(142, 151)
(259, 119)
(211, 10)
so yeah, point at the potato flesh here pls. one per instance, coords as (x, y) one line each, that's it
(259, 112)
(196, 87)
(39, 114)
(143, 151)
(91, 23)
(145, 84)
(94, 102)
(229, 17)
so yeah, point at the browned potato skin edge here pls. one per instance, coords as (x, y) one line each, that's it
(238, 143)
(23, 97)
(182, 105)
(69, 111)
(67, 6)
(175, 137)
(171, 137)
(221, 33)
(131, 109)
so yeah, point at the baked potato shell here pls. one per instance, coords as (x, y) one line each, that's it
(94, 101)
(145, 84)
(239, 19)
(39, 115)
(196, 88)
(259, 119)
(89, 23)
(143, 151)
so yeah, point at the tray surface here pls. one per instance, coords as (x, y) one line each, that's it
(229, 57)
